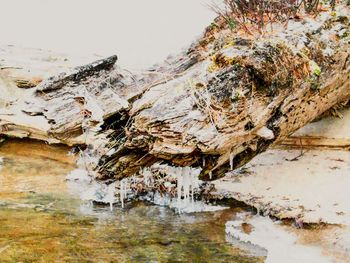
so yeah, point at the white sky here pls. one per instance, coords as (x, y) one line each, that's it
(140, 32)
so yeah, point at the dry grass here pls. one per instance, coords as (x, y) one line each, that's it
(253, 15)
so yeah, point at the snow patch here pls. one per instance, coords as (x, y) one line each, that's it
(280, 245)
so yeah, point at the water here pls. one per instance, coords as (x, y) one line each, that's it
(40, 221)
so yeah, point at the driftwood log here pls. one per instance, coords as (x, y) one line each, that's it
(218, 104)
(233, 98)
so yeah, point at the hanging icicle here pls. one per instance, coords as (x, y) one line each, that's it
(231, 161)
(110, 195)
(186, 180)
(122, 192)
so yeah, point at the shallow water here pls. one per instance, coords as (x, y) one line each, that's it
(41, 222)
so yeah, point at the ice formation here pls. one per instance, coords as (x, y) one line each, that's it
(231, 161)
(186, 180)
(267, 235)
(147, 176)
(122, 192)
(181, 207)
(82, 184)
(110, 197)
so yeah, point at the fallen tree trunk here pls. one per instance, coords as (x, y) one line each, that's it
(239, 98)
(217, 105)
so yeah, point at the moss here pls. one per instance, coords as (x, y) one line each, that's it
(346, 34)
(315, 86)
(235, 96)
(221, 86)
(314, 83)
(315, 69)
(273, 68)
(228, 44)
(213, 24)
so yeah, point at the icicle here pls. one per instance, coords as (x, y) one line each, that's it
(210, 175)
(192, 199)
(186, 184)
(110, 195)
(179, 188)
(231, 161)
(122, 192)
(257, 211)
(147, 174)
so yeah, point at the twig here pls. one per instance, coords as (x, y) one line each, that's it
(300, 155)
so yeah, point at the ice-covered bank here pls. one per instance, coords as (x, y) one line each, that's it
(280, 245)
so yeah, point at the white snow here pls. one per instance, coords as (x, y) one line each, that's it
(281, 246)
(313, 188)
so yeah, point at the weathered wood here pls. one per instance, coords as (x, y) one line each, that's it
(315, 143)
(70, 107)
(76, 75)
(240, 97)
